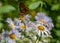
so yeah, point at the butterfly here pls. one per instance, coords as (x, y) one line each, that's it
(23, 9)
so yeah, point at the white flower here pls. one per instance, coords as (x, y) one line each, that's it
(9, 40)
(6, 36)
(9, 20)
(11, 23)
(23, 26)
(17, 21)
(42, 30)
(30, 25)
(41, 17)
(11, 36)
(25, 18)
(18, 34)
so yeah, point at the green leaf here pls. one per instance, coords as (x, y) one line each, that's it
(34, 5)
(57, 32)
(58, 41)
(3, 41)
(32, 19)
(55, 7)
(58, 18)
(1, 25)
(6, 9)
(19, 41)
(58, 25)
(26, 40)
(1, 18)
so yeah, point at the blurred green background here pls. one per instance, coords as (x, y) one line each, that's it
(10, 8)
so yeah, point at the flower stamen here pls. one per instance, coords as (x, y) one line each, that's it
(41, 28)
(43, 21)
(12, 36)
(23, 26)
(12, 25)
(22, 18)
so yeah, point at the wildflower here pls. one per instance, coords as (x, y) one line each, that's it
(9, 40)
(26, 17)
(11, 36)
(6, 36)
(11, 23)
(30, 25)
(42, 30)
(17, 21)
(18, 34)
(23, 26)
(41, 17)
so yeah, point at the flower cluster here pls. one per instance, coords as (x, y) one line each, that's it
(26, 31)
